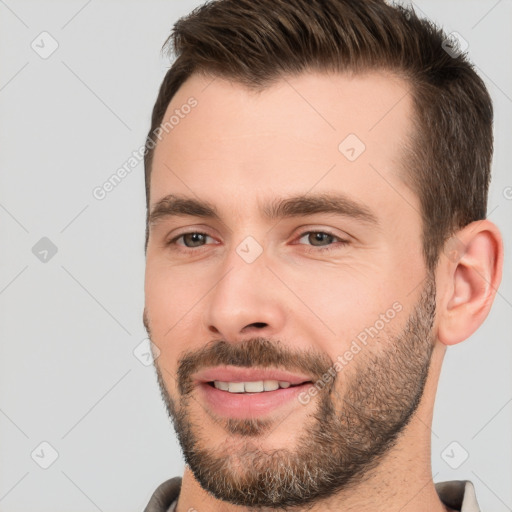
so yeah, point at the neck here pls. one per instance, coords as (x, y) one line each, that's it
(402, 481)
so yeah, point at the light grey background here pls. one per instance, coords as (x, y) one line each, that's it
(68, 374)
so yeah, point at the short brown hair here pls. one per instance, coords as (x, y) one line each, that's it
(255, 42)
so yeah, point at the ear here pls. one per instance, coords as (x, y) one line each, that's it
(468, 277)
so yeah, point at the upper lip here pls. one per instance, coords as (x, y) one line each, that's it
(237, 374)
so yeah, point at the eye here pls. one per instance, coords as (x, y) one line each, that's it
(318, 239)
(191, 240)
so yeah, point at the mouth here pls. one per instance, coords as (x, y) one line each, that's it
(259, 386)
(235, 392)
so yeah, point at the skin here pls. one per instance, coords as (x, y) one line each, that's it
(238, 149)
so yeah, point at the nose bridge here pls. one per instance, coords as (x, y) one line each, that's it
(244, 294)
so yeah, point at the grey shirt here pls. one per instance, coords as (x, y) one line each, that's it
(456, 494)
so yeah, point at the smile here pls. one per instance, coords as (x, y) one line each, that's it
(236, 392)
(259, 386)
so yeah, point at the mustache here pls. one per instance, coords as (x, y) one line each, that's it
(255, 352)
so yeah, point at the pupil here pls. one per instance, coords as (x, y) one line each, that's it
(319, 237)
(195, 237)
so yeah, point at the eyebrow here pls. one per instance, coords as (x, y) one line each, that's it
(174, 205)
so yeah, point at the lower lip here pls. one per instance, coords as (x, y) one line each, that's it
(249, 405)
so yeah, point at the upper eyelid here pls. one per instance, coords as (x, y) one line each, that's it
(326, 231)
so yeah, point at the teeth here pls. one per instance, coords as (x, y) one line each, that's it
(254, 387)
(251, 387)
(224, 386)
(270, 385)
(236, 387)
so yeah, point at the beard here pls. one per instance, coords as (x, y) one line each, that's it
(358, 417)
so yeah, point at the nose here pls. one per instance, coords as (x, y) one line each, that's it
(245, 301)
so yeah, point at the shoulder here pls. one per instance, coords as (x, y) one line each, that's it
(164, 495)
(458, 495)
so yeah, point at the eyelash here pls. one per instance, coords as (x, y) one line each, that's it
(313, 248)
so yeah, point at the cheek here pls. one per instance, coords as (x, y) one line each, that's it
(171, 298)
(167, 302)
(344, 305)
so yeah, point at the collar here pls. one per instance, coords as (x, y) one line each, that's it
(457, 494)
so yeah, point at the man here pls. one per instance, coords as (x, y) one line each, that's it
(316, 180)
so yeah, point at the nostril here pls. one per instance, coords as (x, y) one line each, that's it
(259, 324)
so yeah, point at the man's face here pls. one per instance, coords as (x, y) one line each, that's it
(332, 307)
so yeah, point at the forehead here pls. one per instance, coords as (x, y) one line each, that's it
(313, 131)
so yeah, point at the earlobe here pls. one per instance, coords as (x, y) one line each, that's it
(471, 274)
